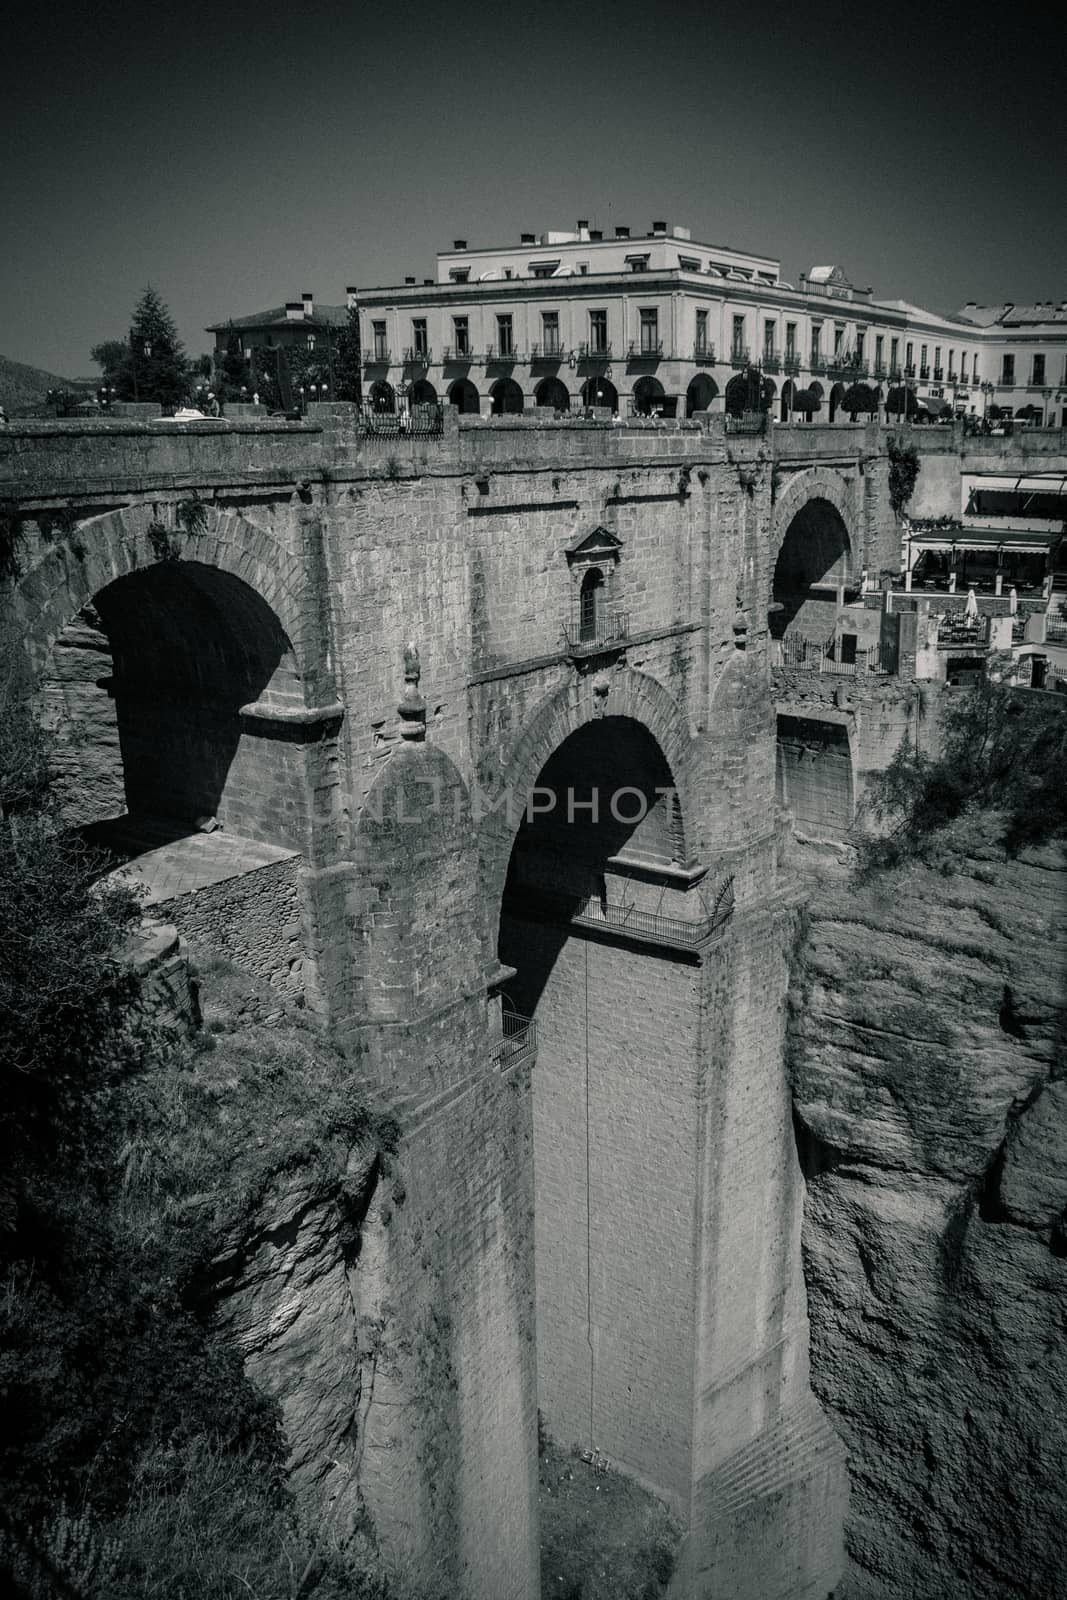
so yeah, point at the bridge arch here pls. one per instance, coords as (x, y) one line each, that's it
(813, 550)
(622, 694)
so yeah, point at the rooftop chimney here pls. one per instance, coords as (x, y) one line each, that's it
(294, 310)
(409, 280)
(459, 244)
(583, 228)
(309, 303)
(350, 295)
(621, 232)
(427, 280)
(596, 234)
(527, 238)
(659, 229)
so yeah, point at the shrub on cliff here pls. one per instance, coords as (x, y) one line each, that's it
(1000, 779)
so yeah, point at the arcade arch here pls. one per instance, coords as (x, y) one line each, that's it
(598, 391)
(813, 562)
(464, 396)
(550, 392)
(507, 398)
(649, 396)
(700, 394)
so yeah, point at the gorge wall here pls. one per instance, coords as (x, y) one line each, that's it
(928, 1073)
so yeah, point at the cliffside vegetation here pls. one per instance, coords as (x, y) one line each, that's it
(136, 1458)
(999, 778)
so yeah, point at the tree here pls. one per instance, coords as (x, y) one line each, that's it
(153, 366)
(903, 473)
(859, 397)
(807, 401)
(348, 361)
(109, 357)
(902, 400)
(234, 377)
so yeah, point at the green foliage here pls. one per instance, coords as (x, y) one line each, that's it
(152, 365)
(807, 401)
(902, 400)
(191, 514)
(235, 374)
(348, 360)
(859, 397)
(602, 1538)
(1000, 779)
(165, 546)
(903, 473)
(265, 377)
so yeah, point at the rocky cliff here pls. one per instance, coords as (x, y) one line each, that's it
(927, 1060)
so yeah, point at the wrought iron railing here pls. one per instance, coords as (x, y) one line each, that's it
(791, 362)
(594, 352)
(414, 357)
(376, 358)
(817, 363)
(499, 354)
(518, 1040)
(751, 422)
(739, 355)
(621, 917)
(454, 355)
(645, 350)
(704, 352)
(547, 352)
(419, 421)
(799, 652)
(771, 360)
(608, 628)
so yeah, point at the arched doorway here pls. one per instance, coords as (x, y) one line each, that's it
(737, 396)
(382, 396)
(422, 393)
(700, 393)
(464, 396)
(507, 398)
(836, 396)
(789, 390)
(813, 561)
(600, 392)
(553, 394)
(649, 397)
(606, 1292)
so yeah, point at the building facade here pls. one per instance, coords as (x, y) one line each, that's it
(659, 322)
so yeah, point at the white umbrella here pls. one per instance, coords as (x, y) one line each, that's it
(970, 610)
(1013, 601)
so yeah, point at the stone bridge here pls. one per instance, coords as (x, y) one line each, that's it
(558, 804)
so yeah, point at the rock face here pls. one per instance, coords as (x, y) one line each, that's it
(927, 1048)
(291, 1293)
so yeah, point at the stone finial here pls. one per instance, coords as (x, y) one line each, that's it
(412, 707)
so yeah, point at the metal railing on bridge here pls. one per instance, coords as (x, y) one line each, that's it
(624, 918)
(798, 652)
(419, 421)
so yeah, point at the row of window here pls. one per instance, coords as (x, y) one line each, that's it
(649, 343)
(1038, 369)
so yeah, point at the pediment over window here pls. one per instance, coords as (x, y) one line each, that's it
(594, 548)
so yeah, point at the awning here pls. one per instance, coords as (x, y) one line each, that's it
(1007, 483)
(1017, 542)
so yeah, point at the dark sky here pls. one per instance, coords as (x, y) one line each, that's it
(234, 155)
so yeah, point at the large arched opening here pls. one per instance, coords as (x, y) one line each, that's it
(423, 393)
(552, 394)
(789, 390)
(382, 396)
(506, 397)
(837, 394)
(813, 567)
(464, 396)
(161, 690)
(700, 394)
(594, 924)
(649, 397)
(597, 391)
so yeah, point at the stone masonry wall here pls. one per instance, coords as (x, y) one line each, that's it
(253, 920)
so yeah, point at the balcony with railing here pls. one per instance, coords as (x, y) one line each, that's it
(455, 355)
(817, 363)
(880, 369)
(517, 1042)
(909, 369)
(594, 352)
(622, 918)
(704, 353)
(939, 374)
(739, 355)
(586, 632)
(498, 355)
(836, 655)
(416, 356)
(645, 350)
(954, 377)
(791, 363)
(772, 358)
(895, 374)
(378, 356)
(551, 351)
(924, 373)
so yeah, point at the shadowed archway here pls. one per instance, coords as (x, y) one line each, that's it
(700, 394)
(813, 562)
